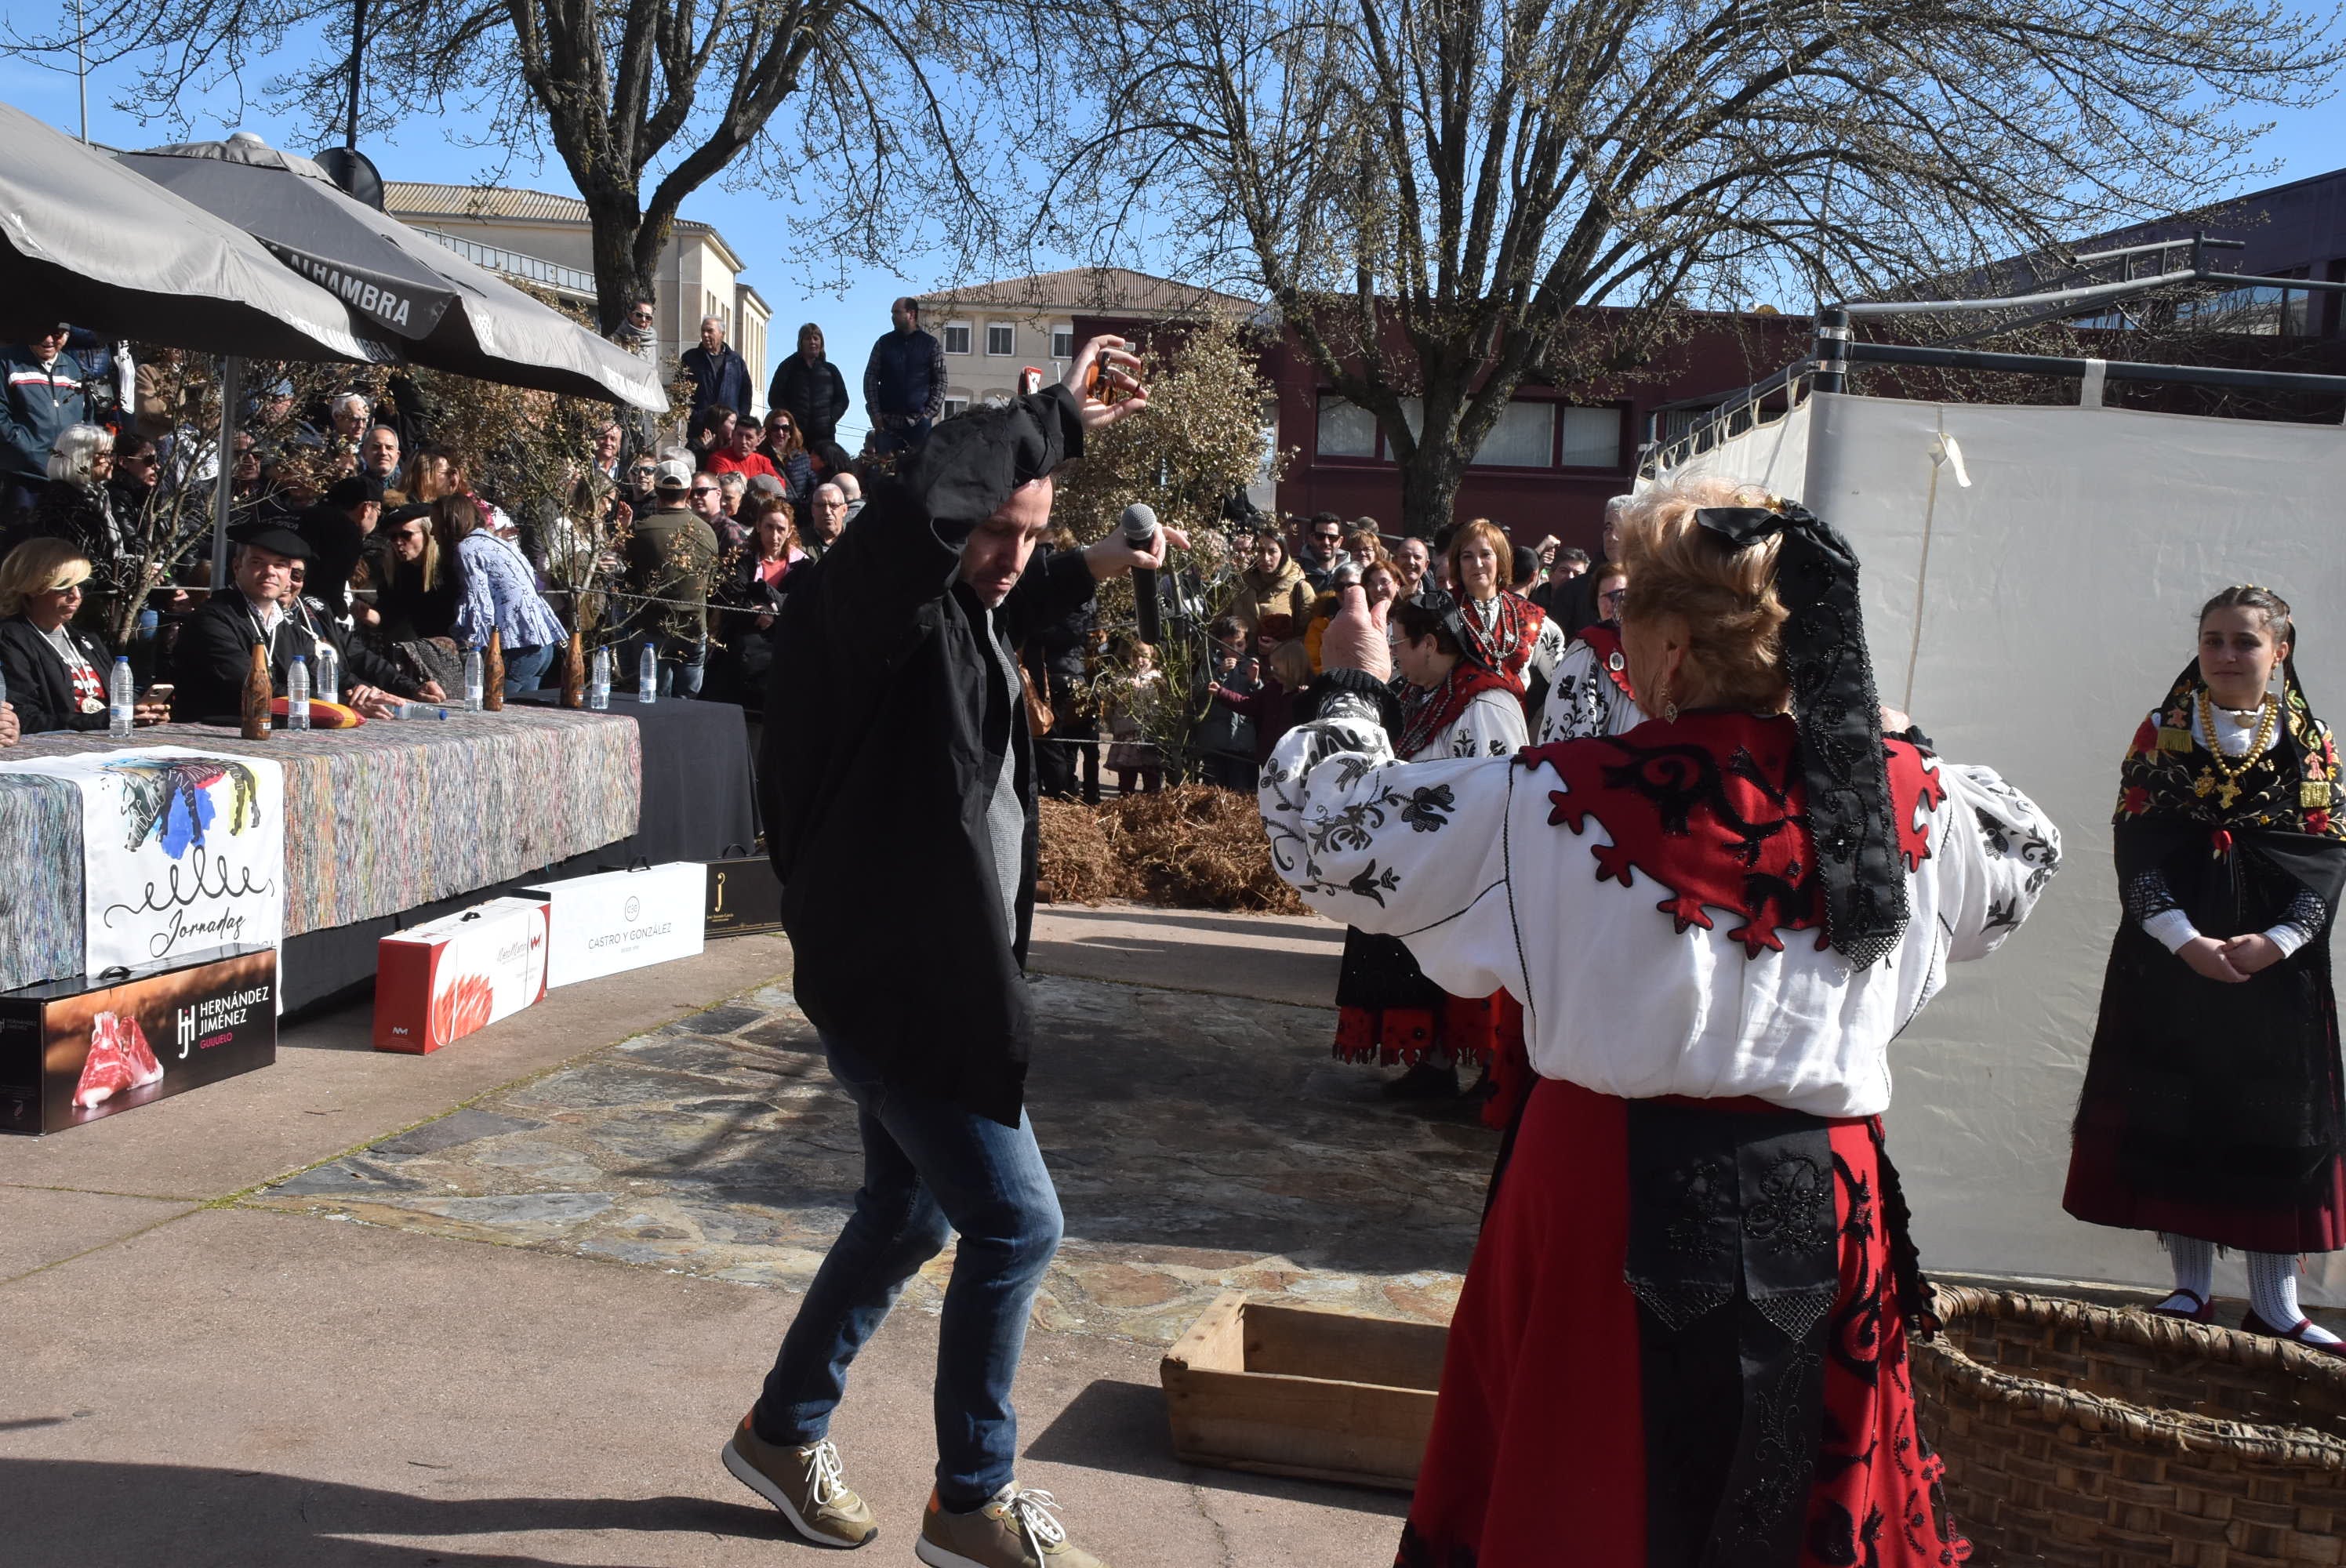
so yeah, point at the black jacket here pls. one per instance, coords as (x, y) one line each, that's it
(816, 396)
(336, 543)
(214, 649)
(38, 686)
(885, 729)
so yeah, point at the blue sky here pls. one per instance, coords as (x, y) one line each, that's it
(762, 228)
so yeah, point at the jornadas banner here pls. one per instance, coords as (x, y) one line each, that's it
(180, 852)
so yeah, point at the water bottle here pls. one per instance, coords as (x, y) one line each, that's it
(648, 676)
(330, 673)
(599, 685)
(119, 699)
(297, 693)
(472, 680)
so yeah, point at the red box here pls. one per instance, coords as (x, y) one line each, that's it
(439, 981)
(72, 1051)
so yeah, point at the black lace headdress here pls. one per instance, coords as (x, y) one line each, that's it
(1834, 704)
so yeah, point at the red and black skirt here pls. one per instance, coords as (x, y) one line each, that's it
(1683, 1340)
(1388, 1012)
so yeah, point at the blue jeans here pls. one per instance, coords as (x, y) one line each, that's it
(525, 667)
(885, 440)
(681, 665)
(930, 1169)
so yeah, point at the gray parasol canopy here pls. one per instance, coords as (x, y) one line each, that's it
(432, 306)
(85, 239)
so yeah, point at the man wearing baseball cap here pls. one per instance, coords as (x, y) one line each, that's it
(215, 647)
(671, 555)
(43, 388)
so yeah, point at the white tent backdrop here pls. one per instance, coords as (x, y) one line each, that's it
(2028, 621)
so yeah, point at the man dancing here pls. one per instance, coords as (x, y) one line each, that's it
(898, 777)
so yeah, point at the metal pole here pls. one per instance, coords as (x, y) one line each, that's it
(358, 41)
(81, 70)
(1832, 338)
(224, 487)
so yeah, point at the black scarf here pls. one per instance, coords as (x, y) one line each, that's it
(1843, 760)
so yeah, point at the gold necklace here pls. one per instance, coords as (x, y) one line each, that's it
(2230, 790)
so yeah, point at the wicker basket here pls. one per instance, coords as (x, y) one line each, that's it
(2098, 1437)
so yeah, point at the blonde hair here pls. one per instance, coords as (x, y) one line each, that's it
(31, 567)
(1734, 617)
(1291, 664)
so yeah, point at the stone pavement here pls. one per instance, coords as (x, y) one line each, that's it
(1200, 1144)
(499, 1305)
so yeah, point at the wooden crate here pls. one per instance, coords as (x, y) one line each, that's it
(1287, 1391)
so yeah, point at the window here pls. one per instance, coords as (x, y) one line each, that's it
(1346, 430)
(2257, 311)
(1063, 342)
(1001, 340)
(955, 405)
(1592, 437)
(1525, 437)
(956, 336)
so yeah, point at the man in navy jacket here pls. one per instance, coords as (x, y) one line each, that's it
(903, 382)
(46, 390)
(719, 374)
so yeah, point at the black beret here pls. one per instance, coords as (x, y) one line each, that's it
(275, 537)
(355, 491)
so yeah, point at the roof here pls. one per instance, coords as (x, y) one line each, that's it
(407, 199)
(1093, 291)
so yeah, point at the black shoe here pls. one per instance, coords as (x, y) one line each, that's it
(1425, 1081)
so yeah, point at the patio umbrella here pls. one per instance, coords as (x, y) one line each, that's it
(83, 239)
(434, 307)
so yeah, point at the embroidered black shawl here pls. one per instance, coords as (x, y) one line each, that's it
(2215, 1092)
(1505, 645)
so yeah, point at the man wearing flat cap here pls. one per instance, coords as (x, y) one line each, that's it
(215, 647)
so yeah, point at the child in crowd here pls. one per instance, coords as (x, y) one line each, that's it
(1271, 704)
(1133, 757)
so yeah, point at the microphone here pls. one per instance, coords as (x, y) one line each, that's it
(1140, 532)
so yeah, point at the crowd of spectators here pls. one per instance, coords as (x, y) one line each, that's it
(396, 552)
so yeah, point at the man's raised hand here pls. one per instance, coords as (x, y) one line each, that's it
(1119, 375)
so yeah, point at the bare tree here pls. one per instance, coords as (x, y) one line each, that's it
(1434, 193)
(644, 101)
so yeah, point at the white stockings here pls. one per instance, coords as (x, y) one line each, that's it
(2272, 1284)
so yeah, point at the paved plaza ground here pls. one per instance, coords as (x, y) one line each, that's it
(500, 1305)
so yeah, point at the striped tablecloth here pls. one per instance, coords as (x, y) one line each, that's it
(378, 818)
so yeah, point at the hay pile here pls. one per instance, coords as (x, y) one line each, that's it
(1191, 846)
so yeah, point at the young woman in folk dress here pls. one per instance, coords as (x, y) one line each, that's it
(2212, 1110)
(1387, 1011)
(1502, 631)
(1683, 1336)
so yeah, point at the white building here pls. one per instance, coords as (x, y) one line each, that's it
(993, 330)
(546, 240)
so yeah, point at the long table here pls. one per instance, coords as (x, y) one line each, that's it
(396, 821)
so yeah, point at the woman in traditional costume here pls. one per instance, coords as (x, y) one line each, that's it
(1591, 693)
(2212, 1108)
(1387, 1011)
(1502, 631)
(1683, 1336)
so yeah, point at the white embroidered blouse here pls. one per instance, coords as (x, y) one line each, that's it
(1584, 699)
(1467, 862)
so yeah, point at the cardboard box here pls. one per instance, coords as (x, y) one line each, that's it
(619, 920)
(745, 897)
(438, 981)
(71, 1051)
